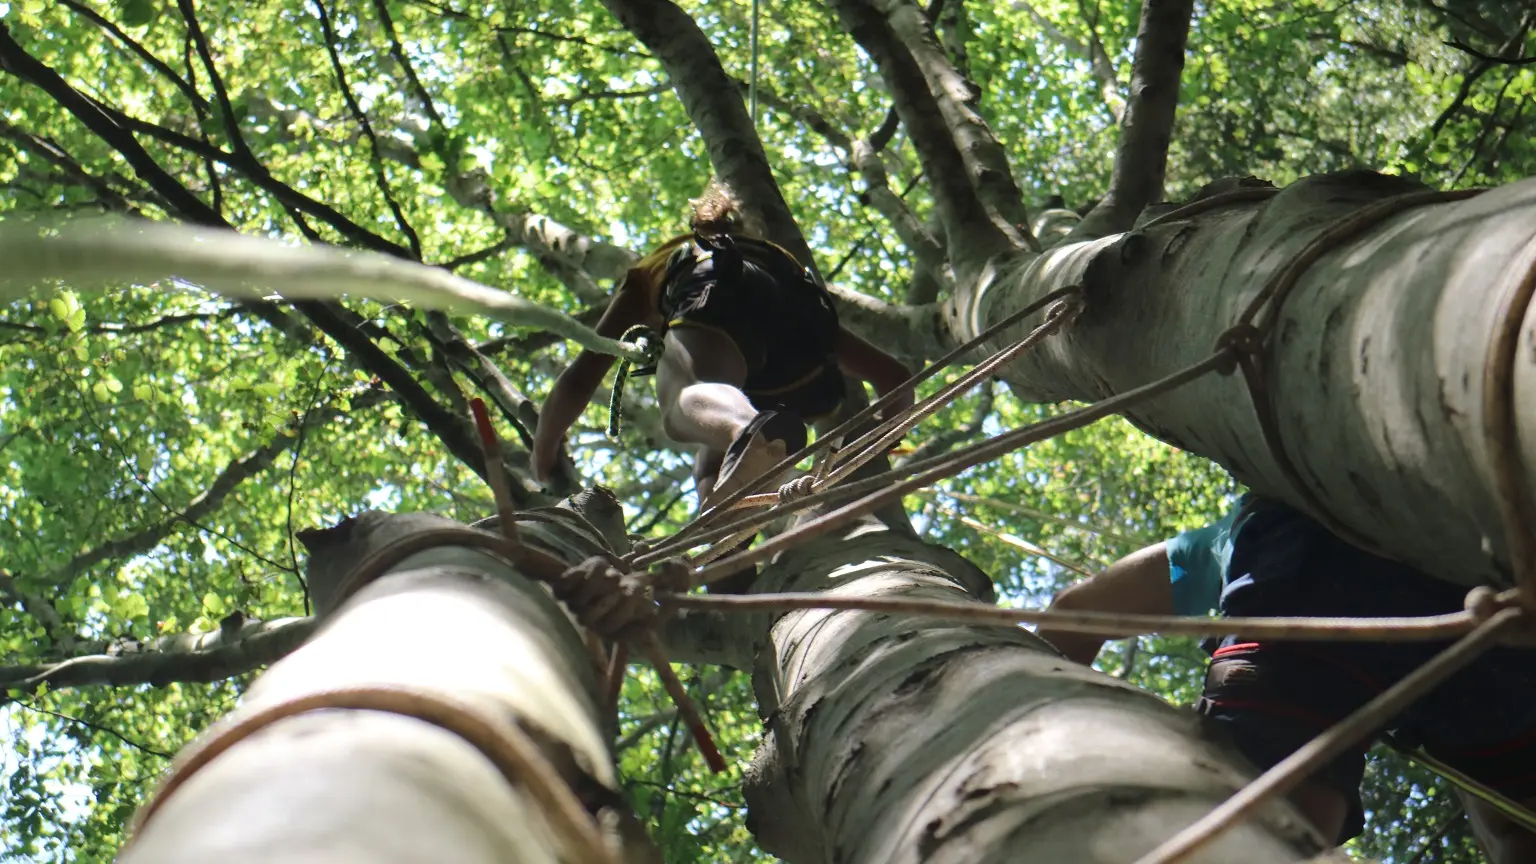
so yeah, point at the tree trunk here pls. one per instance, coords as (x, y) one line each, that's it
(1376, 373)
(391, 785)
(893, 739)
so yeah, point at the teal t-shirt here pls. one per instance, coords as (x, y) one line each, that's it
(1197, 563)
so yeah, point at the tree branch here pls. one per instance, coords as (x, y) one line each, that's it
(40, 609)
(144, 54)
(1141, 161)
(71, 169)
(380, 179)
(202, 504)
(985, 159)
(972, 234)
(716, 109)
(454, 431)
(396, 50)
(240, 645)
(932, 276)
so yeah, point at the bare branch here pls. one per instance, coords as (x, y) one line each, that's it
(240, 645)
(1142, 158)
(70, 169)
(144, 54)
(973, 235)
(805, 114)
(716, 108)
(928, 255)
(397, 51)
(202, 504)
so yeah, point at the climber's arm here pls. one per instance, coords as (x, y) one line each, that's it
(868, 363)
(631, 305)
(1138, 584)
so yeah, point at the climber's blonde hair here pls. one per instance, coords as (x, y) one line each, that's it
(716, 210)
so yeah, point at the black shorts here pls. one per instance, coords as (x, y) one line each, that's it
(1270, 698)
(787, 341)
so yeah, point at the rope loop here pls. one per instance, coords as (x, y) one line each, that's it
(647, 341)
(614, 603)
(794, 490)
(1240, 343)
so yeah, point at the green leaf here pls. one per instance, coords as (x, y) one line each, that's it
(138, 13)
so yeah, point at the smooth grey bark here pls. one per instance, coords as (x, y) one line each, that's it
(377, 786)
(894, 739)
(1376, 371)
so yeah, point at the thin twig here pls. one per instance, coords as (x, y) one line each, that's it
(1445, 828)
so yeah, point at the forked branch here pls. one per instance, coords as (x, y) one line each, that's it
(1142, 158)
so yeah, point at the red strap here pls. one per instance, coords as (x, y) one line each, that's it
(1233, 649)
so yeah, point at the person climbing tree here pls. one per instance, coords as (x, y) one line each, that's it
(752, 350)
(1265, 558)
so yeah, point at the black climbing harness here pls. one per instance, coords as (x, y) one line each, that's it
(725, 252)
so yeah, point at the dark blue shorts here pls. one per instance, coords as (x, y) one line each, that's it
(1270, 698)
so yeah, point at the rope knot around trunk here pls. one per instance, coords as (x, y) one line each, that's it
(1483, 603)
(616, 604)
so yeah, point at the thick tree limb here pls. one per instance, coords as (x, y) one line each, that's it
(1142, 158)
(985, 159)
(716, 108)
(908, 332)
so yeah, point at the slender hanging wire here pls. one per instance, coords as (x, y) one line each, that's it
(752, 82)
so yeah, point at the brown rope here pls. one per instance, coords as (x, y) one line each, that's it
(1428, 628)
(1501, 430)
(1253, 335)
(950, 465)
(504, 743)
(1346, 733)
(879, 440)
